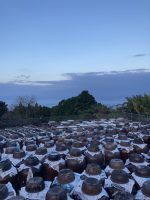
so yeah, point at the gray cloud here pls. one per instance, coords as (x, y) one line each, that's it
(25, 79)
(139, 55)
(109, 88)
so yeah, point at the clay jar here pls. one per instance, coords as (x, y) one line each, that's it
(122, 136)
(3, 191)
(31, 162)
(124, 153)
(142, 171)
(119, 176)
(116, 164)
(65, 176)
(61, 148)
(41, 153)
(146, 139)
(49, 173)
(49, 144)
(75, 162)
(19, 154)
(56, 193)
(10, 150)
(94, 155)
(78, 145)
(31, 147)
(146, 188)
(93, 169)
(5, 166)
(35, 185)
(109, 152)
(91, 187)
(122, 195)
(137, 149)
(135, 158)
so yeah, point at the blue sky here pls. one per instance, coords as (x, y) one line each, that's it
(40, 40)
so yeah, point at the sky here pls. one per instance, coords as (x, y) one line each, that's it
(46, 43)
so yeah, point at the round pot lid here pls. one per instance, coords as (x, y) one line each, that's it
(34, 185)
(119, 176)
(66, 176)
(56, 193)
(116, 164)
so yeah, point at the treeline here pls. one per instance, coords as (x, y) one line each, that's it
(82, 105)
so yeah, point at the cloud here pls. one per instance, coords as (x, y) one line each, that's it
(103, 73)
(139, 55)
(108, 87)
(25, 79)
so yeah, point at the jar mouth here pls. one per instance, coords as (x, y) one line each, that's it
(116, 164)
(75, 152)
(31, 161)
(66, 176)
(54, 157)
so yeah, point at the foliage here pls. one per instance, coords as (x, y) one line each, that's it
(28, 108)
(84, 103)
(137, 104)
(3, 108)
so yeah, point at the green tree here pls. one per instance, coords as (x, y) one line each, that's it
(138, 104)
(83, 104)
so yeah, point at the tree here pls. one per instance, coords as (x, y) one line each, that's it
(25, 106)
(83, 104)
(3, 108)
(138, 104)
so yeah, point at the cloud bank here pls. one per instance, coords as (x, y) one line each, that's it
(108, 87)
